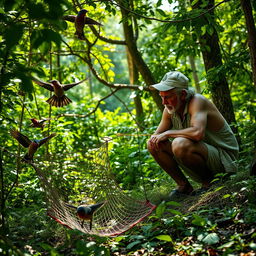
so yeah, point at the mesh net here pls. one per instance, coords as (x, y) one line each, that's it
(90, 181)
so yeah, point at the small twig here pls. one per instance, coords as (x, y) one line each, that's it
(93, 111)
(105, 39)
(169, 21)
(128, 110)
(95, 73)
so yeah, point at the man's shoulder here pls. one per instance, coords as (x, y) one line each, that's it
(198, 99)
(199, 96)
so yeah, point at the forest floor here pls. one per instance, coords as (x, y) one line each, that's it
(221, 221)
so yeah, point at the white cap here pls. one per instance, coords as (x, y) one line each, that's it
(172, 79)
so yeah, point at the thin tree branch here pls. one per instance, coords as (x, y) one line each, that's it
(168, 21)
(128, 110)
(105, 39)
(95, 73)
(94, 110)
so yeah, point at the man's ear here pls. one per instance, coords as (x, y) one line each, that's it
(183, 94)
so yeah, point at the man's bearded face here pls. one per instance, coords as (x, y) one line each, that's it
(171, 100)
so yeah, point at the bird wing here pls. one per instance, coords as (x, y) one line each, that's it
(45, 85)
(70, 18)
(68, 86)
(71, 206)
(42, 121)
(22, 139)
(94, 207)
(44, 140)
(34, 121)
(91, 22)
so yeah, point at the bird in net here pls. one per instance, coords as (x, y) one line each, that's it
(96, 205)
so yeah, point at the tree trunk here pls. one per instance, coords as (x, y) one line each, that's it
(3, 228)
(247, 8)
(209, 45)
(134, 76)
(136, 55)
(194, 72)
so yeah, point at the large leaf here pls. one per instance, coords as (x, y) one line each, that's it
(39, 37)
(13, 35)
(131, 245)
(164, 238)
(198, 221)
(36, 10)
(212, 238)
(160, 210)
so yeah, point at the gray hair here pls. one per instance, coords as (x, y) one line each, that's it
(190, 93)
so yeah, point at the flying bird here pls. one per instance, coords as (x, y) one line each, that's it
(32, 145)
(85, 212)
(59, 99)
(80, 20)
(38, 123)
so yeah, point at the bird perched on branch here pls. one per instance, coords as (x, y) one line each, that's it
(80, 20)
(38, 123)
(85, 212)
(32, 145)
(59, 99)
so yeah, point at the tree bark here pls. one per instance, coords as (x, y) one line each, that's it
(134, 76)
(247, 8)
(209, 45)
(136, 55)
(194, 73)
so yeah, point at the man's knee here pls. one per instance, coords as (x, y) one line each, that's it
(162, 146)
(181, 147)
(150, 147)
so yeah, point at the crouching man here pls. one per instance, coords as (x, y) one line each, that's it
(192, 136)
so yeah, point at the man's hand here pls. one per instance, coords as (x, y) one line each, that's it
(156, 139)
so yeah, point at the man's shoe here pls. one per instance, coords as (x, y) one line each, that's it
(176, 194)
(199, 191)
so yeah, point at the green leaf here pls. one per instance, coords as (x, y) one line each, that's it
(160, 11)
(13, 35)
(173, 203)
(164, 238)
(219, 188)
(194, 2)
(203, 30)
(226, 245)
(226, 196)
(175, 212)
(160, 210)
(159, 2)
(198, 221)
(130, 245)
(210, 30)
(212, 238)
(45, 36)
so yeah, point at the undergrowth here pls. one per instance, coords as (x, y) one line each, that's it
(218, 222)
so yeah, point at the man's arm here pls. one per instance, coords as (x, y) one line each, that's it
(198, 122)
(165, 123)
